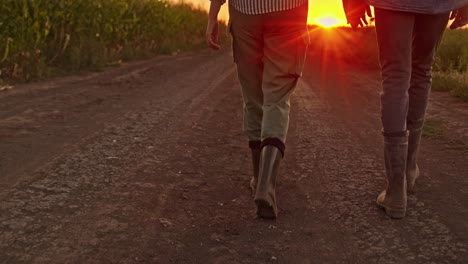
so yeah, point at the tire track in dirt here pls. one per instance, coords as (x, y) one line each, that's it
(166, 181)
(49, 117)
(98, 197)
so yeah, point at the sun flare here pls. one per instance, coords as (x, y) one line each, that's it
(328, 22)
(326, 13)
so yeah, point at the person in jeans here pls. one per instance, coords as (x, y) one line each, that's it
(408, 34)
(269, 46)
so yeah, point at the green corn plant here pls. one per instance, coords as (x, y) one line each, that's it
(39, 37)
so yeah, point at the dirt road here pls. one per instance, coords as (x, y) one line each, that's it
(146, 163)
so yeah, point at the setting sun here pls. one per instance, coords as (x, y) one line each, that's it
(326, 13)
(328, 22)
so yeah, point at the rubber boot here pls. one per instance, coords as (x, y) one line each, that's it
(265, 197)
(394, 199)
(256, 166)
(412, 169)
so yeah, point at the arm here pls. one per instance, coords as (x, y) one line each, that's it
(212, 28)
(356, 11)
(460, 17)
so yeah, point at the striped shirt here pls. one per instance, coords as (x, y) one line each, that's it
(257, 7)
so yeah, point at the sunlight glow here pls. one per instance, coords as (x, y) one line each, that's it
(326, 13)
(328, 22)
(318, 10)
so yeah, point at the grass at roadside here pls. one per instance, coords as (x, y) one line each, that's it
(43, 38)
(455, 83)
(451, 66)
(452, 54)
(433, 128)
(459, 146)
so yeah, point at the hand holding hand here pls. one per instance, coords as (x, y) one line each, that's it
(356, 11)
(460, 17)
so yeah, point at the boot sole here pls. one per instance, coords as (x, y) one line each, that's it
(265, 210)
(396, 214)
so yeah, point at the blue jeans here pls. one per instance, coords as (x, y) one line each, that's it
(407, 45)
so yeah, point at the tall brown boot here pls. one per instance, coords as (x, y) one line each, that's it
(256, 166)
(394, 199)
(412, 169)
(265, 197)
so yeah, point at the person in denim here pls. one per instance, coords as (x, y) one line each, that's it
(408, 34)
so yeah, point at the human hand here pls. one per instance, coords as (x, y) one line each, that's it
(212, 33)
(460, 17)
(356, 11)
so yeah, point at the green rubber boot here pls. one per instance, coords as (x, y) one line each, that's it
(265, 197)
(412, 169)
(394, 198)
(256, 166)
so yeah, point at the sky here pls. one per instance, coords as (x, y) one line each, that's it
(325, 12)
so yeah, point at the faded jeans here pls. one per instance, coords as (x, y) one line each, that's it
(407, 44)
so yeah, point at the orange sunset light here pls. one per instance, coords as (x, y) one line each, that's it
(326, 13)
(328, 22)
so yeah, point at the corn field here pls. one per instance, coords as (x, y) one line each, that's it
(39, 38)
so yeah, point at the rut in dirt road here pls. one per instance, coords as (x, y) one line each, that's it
(147, 164)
